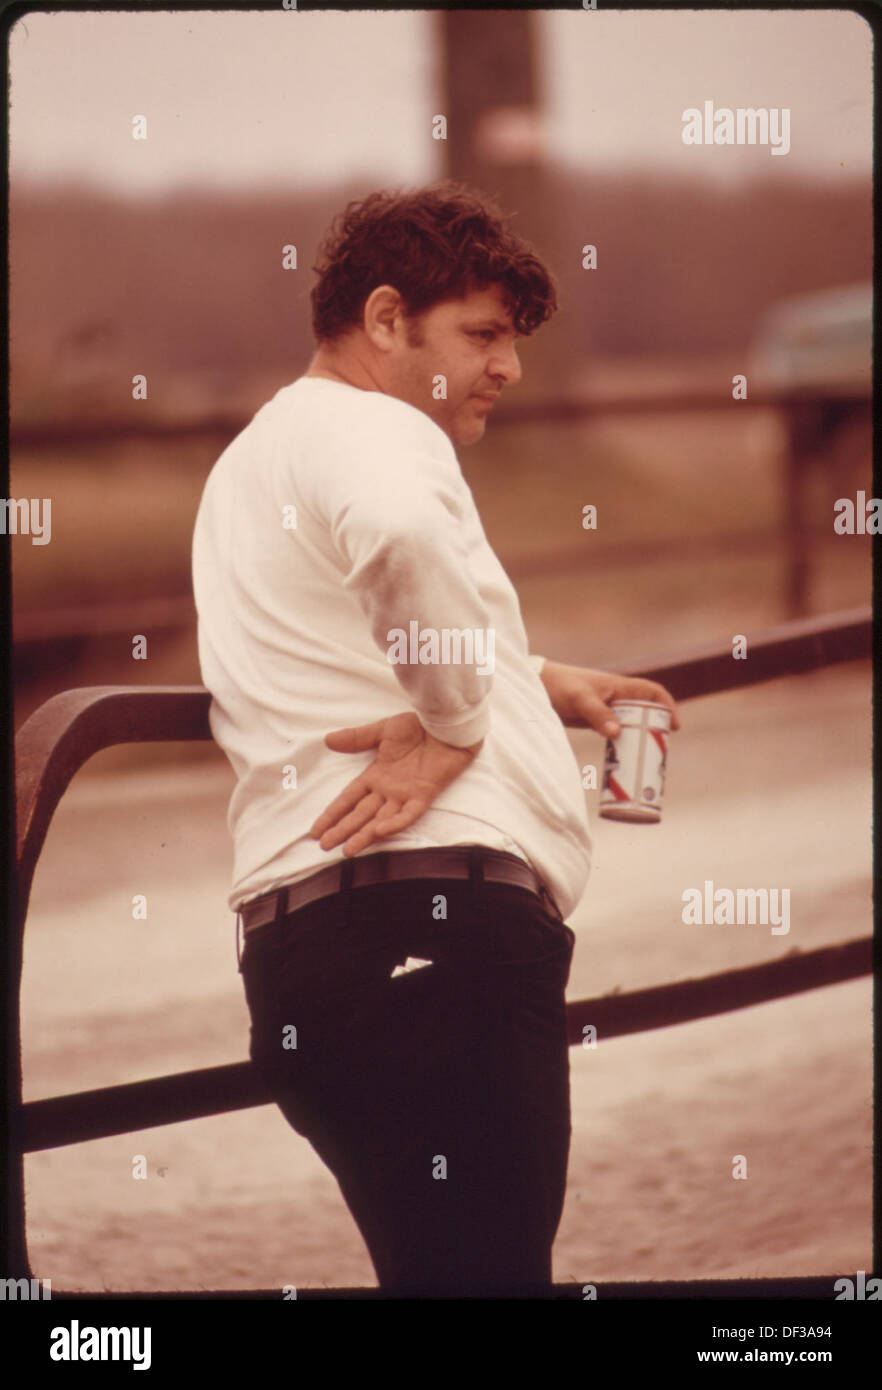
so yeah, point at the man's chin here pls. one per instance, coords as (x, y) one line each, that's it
(468, 432)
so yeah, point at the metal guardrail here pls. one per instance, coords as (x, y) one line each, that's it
(193, 1095)
(67, 730)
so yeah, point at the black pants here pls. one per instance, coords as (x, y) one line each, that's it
(439, 1098)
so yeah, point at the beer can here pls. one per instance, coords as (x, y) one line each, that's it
(634, 765)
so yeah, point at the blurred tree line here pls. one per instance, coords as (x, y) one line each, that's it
(193, 282)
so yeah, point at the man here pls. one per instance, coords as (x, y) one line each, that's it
(405, 954)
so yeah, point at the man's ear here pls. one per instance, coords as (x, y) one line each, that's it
(383, 317)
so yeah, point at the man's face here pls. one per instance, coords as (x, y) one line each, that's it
(471, 343)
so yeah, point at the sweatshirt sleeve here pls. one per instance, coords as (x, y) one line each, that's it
(537, 662)
(396, 517)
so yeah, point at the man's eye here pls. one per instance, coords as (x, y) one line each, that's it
(483, 333)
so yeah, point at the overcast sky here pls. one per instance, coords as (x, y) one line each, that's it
(284, 97)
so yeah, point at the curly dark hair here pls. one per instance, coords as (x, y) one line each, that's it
(436, 244)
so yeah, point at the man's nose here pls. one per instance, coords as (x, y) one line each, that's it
(505, 366)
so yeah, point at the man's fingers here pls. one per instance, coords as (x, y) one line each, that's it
(378, 829)
(651, 690)
(597, 715)
(357, 739)
(663, 697)
(602, 717)
(339, 807)
(396, 820)
(364, 812)
(348, 799)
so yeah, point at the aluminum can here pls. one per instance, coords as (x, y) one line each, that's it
(635, 762)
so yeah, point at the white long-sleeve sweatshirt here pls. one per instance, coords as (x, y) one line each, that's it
(337, 531)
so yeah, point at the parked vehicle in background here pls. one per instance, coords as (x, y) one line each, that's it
(816, 340)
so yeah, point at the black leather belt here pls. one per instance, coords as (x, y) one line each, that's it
(496, 866)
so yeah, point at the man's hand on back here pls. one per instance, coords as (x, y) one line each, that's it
(410, 769)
